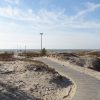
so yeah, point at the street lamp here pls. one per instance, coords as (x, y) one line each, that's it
(41, 40)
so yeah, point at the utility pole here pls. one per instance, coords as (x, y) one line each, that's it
(17, 48)
(41, 40)
(25, 48)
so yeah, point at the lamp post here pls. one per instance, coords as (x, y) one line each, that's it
(41, 40)
(25, 48)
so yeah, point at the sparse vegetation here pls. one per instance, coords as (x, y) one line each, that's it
(89, 53)
(39, 66)
(94, 64)
(34, 78)
(83, 59)
(29, 54)
(7, 56)
(43, 52)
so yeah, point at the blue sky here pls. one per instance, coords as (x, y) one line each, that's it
(66, 24)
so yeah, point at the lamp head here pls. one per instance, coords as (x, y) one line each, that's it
(41, 33)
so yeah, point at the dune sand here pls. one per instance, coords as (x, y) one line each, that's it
(32, 80)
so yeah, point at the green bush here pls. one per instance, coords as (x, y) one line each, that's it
(43, 52)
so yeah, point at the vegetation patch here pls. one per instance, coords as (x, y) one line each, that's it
(84, 59)
(7, 56)
(29, 54)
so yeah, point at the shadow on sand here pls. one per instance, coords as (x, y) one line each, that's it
(61, 81)
(12, 93)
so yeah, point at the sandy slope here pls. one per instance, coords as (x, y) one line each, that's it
(25, 80)
(85, 70)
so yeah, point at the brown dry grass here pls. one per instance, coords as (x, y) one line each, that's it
(29, 54)
(89, 53)
(7, 56)
(89, 59)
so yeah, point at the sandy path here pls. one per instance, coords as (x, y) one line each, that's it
(88, 88)
(85, 70)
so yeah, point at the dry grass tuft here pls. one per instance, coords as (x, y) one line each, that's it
(89, 59)
(7, 56)
(29, 54)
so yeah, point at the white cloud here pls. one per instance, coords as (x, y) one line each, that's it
(50, 22)
(93, 6)
(8, 12)
(12, 1)
(90, 7)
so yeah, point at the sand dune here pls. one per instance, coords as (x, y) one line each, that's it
(31, 80)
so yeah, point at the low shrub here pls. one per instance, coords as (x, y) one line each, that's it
(43, 52)
(7, 56)
(94, 63)
(29, 54)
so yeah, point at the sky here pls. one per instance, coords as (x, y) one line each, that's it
(66, 24)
